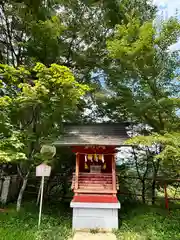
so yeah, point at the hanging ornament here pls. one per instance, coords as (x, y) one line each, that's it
(95, 157)
(104, 166)
(86, 166)
(90, 157)
(101, 157)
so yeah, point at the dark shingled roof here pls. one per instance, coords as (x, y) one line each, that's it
(93, 134)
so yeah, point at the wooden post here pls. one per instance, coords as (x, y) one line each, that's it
(113, 173)
(77, 171)
(41, 200)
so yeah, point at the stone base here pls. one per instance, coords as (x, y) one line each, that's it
(95, 215)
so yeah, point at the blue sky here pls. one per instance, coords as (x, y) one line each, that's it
(169, 7)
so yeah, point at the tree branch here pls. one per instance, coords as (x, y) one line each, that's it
(19, 171)
(136, 163)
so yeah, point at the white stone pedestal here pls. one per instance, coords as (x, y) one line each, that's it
(95, 215)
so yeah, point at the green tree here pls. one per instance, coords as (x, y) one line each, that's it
(149, 91)
(169, 144)
(56, 31)
(35, 104)
(144, 86)
(146, 90)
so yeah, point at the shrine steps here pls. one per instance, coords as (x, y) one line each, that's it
(98, 191)
(94, 183)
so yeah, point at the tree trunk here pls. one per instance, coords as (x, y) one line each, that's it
(153, 188)
(143, 191)
(21, 192)
(153, 191)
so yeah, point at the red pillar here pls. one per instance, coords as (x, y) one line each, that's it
(77, 171)
(113, 174)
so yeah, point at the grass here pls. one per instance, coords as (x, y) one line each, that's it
(137, 222)
(56, 223)
(149, 223)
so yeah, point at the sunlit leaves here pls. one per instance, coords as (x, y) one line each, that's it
(11, 148)
(142, 51)
(148, 69)
(169, 34)
(169, 142)
(42, 98)
(131, 40)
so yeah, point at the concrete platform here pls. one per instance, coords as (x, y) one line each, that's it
(95, 215)
(91, 236)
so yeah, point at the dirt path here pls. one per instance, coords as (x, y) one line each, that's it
(91, 236)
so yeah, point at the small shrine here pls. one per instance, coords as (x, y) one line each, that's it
(94, 182)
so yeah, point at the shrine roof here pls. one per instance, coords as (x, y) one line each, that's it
(107, 134)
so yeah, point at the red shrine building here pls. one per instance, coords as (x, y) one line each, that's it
(94, 182)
